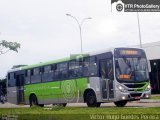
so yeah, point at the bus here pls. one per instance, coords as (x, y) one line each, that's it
(118, 75)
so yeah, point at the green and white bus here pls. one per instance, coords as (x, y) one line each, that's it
(118, 75)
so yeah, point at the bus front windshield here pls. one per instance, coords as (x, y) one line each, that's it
(131, 69)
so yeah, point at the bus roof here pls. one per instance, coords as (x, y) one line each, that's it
(61, 60)
(45, 63)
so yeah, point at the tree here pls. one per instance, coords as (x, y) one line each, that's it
(7, 46)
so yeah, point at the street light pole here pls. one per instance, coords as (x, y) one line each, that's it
(139, 30)
(80, 28)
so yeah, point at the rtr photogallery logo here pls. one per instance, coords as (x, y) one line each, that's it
(119, 7)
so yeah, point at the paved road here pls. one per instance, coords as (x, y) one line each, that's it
(130, 104)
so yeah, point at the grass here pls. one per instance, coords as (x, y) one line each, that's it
(155, 97)
(72, 113)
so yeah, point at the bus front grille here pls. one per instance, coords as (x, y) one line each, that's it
(136, 94)
(134, 85)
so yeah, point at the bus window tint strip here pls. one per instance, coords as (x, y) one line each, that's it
(61, 71)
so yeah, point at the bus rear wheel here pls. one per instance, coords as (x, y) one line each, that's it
(91, 100)
(120, 103)
(41, 105)
(33, 101)
(64, 104)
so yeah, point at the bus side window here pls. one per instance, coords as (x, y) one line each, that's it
(47, 74)
(106, 69)
(53, 69)
(36, 76)
(8, 76)
(93, 66)
(110, 69)
(86, 67)
(42, 70)
(12, 80)
(78, 68)
(71, 69)
(31, 72)
(27, 76)
(57, 74)
(64, 70)
(36, 71)
(47, 69)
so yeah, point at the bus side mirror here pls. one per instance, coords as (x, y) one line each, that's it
(149, 66)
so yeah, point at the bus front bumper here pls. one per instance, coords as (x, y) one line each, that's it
(133, 96)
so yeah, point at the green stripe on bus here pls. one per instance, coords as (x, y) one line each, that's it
(66, 89)
(142, 88)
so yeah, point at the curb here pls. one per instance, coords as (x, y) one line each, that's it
(148, 101)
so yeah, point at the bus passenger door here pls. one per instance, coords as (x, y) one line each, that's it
(20, 88)
(106, 73)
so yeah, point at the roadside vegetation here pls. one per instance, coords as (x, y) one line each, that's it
(156, 97)
(73, 113)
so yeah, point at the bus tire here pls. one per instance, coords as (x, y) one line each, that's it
(120, 103)
(33, 101)
(64, 104)
(91, 100)
(41, 105)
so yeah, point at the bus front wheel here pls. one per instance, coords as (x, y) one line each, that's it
(120, 103)
(91, 100)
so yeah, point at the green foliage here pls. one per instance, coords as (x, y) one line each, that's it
(6, 46)
(82, 110)
(155, 97)
(76, 113)
(57, 107)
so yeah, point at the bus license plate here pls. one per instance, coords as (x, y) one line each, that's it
(136, 98)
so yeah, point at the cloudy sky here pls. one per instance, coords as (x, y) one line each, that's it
(46, 33)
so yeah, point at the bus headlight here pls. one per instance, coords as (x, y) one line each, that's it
(148, 87)
(121, 88)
